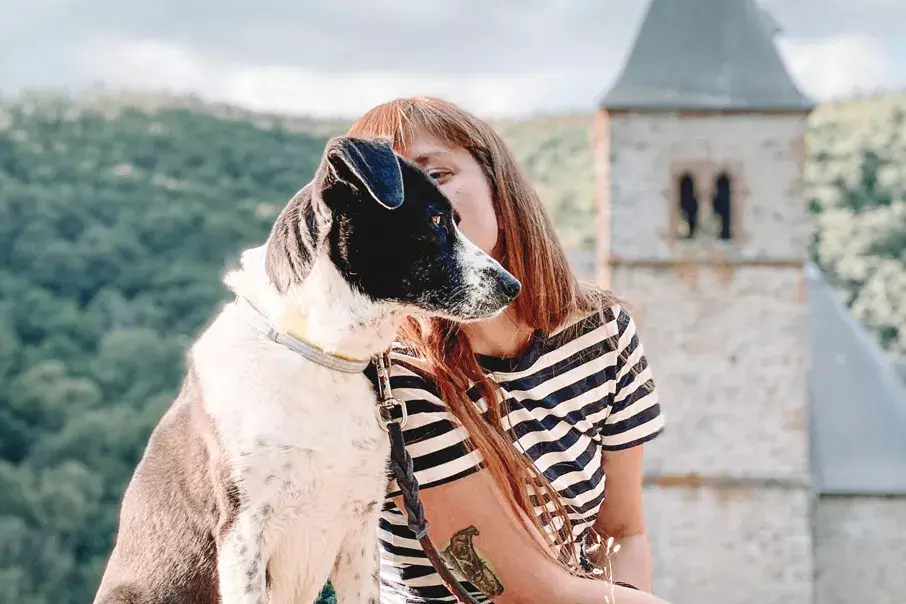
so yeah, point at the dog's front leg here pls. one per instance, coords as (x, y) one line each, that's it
(356, 572)
(243, 557)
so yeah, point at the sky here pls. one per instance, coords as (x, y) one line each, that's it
(337, 58)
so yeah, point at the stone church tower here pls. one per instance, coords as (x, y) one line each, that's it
(704, 229)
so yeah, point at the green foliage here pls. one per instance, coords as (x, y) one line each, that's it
(116, 224)
(114, 232)
(857, 179)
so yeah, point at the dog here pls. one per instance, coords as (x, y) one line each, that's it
(266, 476)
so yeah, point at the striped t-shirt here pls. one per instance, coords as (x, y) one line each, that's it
(570, 397)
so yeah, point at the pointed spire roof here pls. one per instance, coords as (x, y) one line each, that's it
(706, 54)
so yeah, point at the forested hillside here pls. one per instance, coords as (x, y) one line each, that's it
(116, 224)
(113, 234)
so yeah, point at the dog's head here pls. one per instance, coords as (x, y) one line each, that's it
(390, 233)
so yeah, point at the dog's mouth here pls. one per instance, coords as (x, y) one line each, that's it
(476, 316)
(486, 299)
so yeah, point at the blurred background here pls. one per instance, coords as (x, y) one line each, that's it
(143, 145)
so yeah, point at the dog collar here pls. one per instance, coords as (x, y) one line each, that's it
(286, 332)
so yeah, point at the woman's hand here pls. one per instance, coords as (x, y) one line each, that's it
(621, 516)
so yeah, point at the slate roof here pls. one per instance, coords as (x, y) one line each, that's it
(900, 365)
(857, 403)
(705, 54)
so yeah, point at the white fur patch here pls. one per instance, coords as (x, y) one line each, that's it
(302, 441)
(482, 290)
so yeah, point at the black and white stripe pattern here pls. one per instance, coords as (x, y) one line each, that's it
(572, 396)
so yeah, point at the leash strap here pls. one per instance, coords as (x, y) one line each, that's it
(404, 471)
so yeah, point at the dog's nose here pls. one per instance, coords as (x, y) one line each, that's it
(510, 285)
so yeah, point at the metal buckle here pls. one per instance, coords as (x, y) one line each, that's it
(386, 400)
(383, 414)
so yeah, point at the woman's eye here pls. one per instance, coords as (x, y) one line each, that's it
(439, 175)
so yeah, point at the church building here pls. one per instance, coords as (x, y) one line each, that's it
(780, 477)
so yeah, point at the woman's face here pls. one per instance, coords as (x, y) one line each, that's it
(461, 179)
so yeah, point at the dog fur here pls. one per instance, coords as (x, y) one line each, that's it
(267, 474)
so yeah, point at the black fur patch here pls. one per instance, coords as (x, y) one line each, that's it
(387, 228)
(374, 166)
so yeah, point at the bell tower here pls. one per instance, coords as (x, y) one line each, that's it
(703, 227)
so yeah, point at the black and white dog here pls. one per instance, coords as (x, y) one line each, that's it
(266, 476)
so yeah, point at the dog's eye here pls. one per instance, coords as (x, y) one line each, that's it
(437, 219)
(440, 176)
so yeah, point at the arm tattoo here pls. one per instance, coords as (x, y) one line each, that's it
(461, 554)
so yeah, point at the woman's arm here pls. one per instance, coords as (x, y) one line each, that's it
(634, 418)
(621, 517)
(497, 554)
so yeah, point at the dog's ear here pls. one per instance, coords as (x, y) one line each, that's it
(370, 166)
(296, 238)
(349, 165)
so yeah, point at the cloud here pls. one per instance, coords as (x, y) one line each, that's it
(157, 65)
(427, 37)
(501, 57)
(838, 66)
(822, 19)
(351, 94)
(339, 58)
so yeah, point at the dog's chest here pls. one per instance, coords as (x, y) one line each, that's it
(288, 424)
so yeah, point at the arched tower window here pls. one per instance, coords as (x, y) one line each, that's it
(723, 205)
(688, 203)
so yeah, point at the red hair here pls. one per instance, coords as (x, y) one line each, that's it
(529, 249)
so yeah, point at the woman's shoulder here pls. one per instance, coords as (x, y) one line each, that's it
(440, 447)
(605, 324)
(406, 361)
(410, 375)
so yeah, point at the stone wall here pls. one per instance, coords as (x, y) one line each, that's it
(727, 506)
(728, 349)
(724, 328)
(729, 544)
(640, 156)
(860, 550)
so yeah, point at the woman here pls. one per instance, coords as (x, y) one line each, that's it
(536, 405)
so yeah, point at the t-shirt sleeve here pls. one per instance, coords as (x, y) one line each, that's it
(635, 413)
(436, 441)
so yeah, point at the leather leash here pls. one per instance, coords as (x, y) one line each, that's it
(403, 470)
